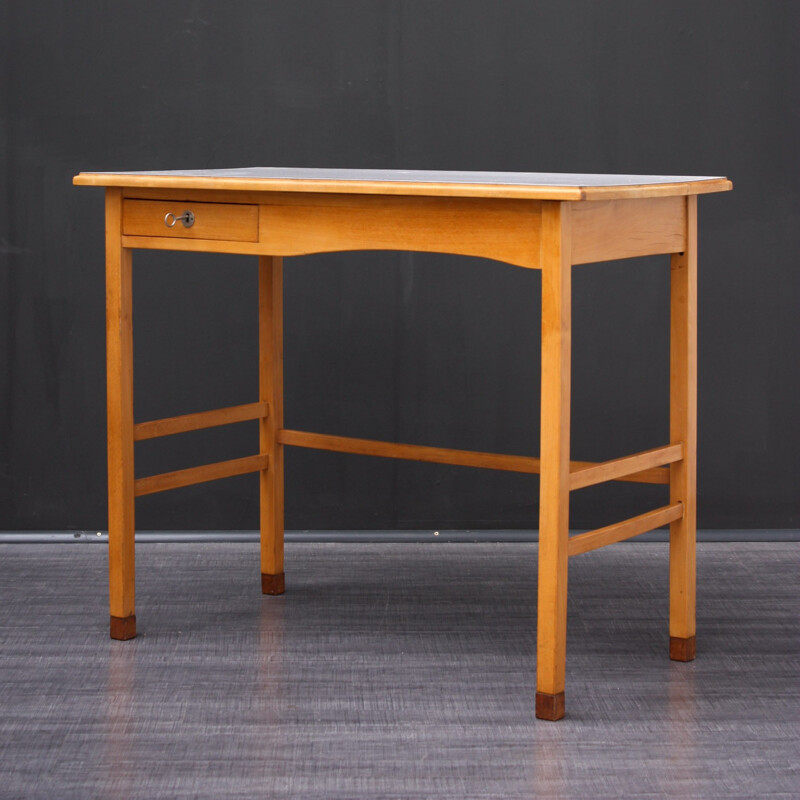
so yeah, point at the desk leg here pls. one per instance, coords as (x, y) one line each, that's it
(270, 326)
(551, 646)
(119, 377)
(683, 428)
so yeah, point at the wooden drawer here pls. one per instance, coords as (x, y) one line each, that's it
(232, 222)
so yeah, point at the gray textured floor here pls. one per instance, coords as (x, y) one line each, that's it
(394, 671)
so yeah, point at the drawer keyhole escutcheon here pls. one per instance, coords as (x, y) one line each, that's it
(187, 218)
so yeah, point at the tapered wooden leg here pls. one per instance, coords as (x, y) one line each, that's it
(551, 648)
(683, 428)
(270, 321)
(119, 377)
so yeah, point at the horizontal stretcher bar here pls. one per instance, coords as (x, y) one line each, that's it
(208, 472)
(440, 455)
(196, 422)
(620, 467)
(584, 542)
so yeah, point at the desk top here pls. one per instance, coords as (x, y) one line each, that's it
(522, 185)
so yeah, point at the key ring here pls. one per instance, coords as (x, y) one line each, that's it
(187, 218)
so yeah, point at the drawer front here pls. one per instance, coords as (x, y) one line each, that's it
(231, 222)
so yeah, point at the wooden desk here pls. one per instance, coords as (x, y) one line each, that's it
(539, 221)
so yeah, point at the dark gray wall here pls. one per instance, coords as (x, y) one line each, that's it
(407, 347)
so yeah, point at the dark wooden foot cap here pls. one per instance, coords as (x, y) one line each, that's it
(272, 584)
(123, 627)
(682, 649)
(549, 706)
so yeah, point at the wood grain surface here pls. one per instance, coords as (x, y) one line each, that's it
(530, 185)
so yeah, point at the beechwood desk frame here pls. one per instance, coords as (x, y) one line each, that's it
(536, 221)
